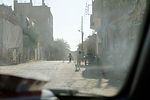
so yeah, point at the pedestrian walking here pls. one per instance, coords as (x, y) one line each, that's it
(70, 57)
(79, 58)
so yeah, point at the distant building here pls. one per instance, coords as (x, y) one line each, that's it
(11, 36)
(42, 19)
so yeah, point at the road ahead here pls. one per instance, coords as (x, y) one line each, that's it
(62, 75)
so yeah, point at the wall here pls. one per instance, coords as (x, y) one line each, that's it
(118, 25)
(12, 37)
(1, 36)
(43, 19)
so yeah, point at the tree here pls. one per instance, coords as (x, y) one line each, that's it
(59, 49)
(89, 45)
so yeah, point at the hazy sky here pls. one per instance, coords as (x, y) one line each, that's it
(66, 18)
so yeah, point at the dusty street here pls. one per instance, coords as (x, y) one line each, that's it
(62, 75)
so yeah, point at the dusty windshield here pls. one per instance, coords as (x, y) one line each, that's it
(84, 45)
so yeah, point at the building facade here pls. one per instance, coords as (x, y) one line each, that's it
(42, 20)
(117, 24)
(11, 36)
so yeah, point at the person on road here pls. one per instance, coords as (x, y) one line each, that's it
(70, 57)
(79, 58)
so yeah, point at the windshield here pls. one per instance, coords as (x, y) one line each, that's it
(84, 45)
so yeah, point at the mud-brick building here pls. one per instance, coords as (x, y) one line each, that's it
(11, 36)
(42, 19)
(118, 24)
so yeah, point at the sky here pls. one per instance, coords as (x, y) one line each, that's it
(66, 19)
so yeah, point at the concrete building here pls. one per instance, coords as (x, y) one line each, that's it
(42, 19)
(117, 24)
(11, 36)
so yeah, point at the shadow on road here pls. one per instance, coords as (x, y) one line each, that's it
(94, 72)
(103, 76)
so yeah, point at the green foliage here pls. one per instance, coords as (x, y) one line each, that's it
(59, 49)
(30, 38)
(89, 45)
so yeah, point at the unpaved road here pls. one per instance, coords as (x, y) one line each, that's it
(62, 75)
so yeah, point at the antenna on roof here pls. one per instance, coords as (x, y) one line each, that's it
(15, 0)
(43, 3)
(31, 2)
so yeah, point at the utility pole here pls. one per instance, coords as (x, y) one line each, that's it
(82, 34)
